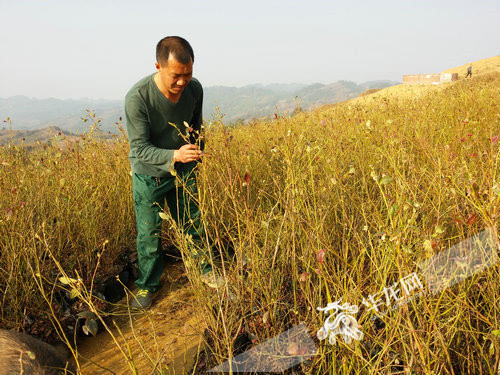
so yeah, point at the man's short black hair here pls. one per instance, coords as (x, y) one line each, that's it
(176, 46)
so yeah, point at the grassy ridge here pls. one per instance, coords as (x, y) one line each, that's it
(375, 186)
(71, 199)
(379, 186)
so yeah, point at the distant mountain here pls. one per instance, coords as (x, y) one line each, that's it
(236, 103)
(247, 102)
(28, 113)
(31, 136)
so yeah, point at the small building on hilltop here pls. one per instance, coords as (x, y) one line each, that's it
(435, 79)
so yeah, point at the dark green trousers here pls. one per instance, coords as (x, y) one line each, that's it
(150, 194)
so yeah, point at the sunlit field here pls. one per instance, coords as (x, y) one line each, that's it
(339, 202)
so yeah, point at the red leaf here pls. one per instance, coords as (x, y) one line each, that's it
(320, 256)
(471, 219)
(303, 277)
(247, 177)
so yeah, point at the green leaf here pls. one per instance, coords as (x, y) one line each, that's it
(67, 280)
(74, 293)
(87, 315)
(163, 215)
(393, 210)
(496, 189)
(496, 332)
(386, 180)
(31, 355)
(439, 229)
(90, 327)
(428, 248)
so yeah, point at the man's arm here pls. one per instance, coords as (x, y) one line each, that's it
(138, 129)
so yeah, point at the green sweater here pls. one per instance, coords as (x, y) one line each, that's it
(153, 140)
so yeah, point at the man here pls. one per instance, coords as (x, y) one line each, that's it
(469, 71)
(161, 148)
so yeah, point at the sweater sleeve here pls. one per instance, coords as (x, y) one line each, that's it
(138, 129)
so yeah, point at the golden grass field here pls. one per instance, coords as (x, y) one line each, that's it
(339, 202)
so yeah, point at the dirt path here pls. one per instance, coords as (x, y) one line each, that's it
(169, 333)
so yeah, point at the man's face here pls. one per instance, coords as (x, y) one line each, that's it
(174, 75)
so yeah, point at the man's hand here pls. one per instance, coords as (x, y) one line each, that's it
(187, 153)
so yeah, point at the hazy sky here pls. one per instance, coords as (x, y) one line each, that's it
(99, 49)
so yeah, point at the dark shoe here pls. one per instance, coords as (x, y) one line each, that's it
(142, 300)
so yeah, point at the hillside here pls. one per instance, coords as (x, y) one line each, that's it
(488, 65)
(401, 91)
(29, 113)
(343, 202)
(32, 136)
(237, 103)
(384, 190)
(259, 101)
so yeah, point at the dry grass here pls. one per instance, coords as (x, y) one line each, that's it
(284, 190)
(71, 199)
(315, 184)
(484, 66)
